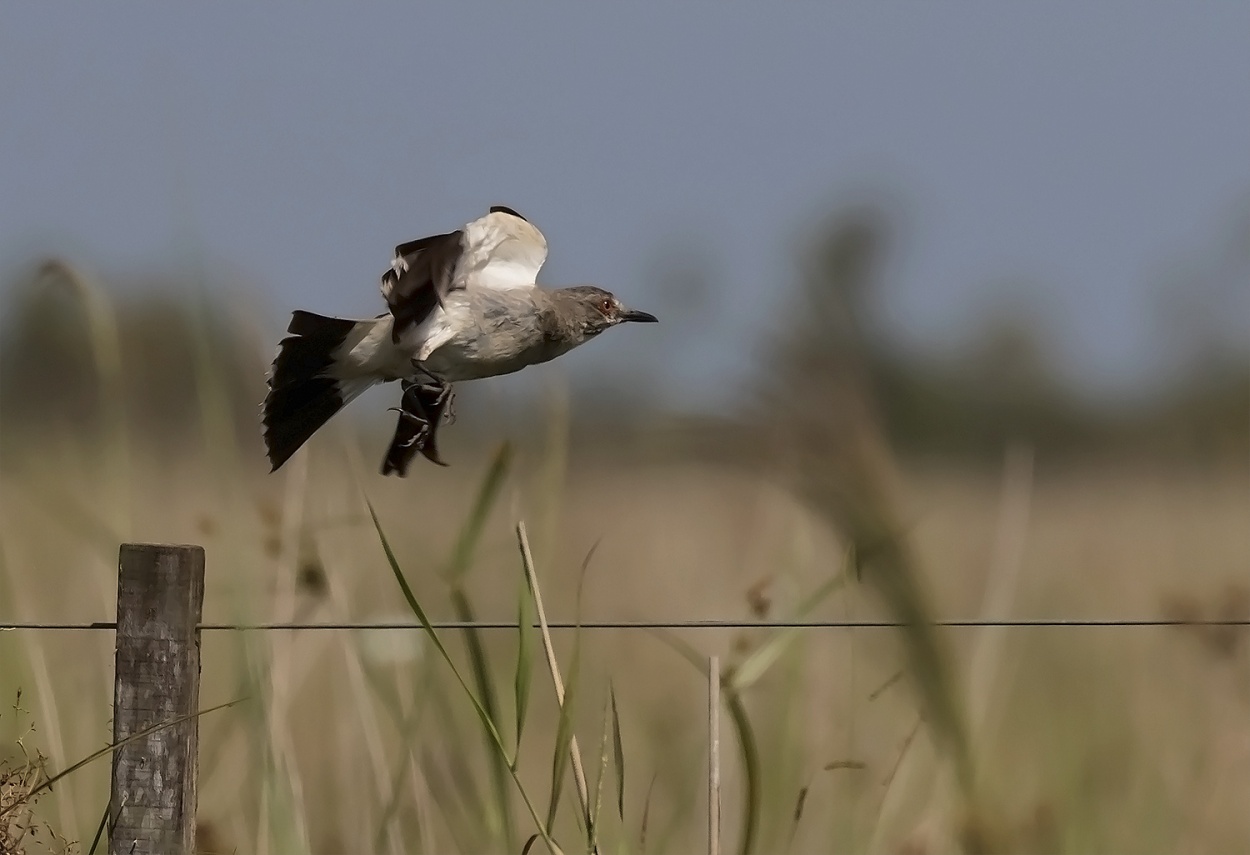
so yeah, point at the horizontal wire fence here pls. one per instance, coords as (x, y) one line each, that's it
(1022, 623)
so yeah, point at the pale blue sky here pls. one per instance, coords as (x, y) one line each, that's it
(1088, 150)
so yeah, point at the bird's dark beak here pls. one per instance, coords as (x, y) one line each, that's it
(638, 317)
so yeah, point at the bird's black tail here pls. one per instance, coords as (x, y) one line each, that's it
(302, 395)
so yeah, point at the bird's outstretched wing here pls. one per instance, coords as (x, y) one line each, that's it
(421, 275)
(499, 250)
(502, 250)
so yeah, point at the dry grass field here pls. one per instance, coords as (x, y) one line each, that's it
(1082, 739)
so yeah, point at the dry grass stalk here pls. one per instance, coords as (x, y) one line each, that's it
(22, 781)
(713, 761)
(575, 756)
(17, 820)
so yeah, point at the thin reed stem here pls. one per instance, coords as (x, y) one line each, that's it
(579, 774)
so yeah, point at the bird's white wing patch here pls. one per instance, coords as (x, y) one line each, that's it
(501, 251)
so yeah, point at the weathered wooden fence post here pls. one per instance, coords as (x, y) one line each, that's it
(160, 595)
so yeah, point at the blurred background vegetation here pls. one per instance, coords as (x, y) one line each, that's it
(963, 404)
(128, 409)
(108, 389)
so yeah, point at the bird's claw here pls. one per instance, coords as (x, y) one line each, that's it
(406, 415)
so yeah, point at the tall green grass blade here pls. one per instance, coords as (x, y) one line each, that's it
(485, 719)
(575, 670)
(764, 656)
(581, 574)
(524, 677)
(618, 755)
(99, 831)
(646, 814)
(784, 740)
(486, 691)
(752, 796)
(595, 814)
(564, 739)
(500, 819)
(420, 614)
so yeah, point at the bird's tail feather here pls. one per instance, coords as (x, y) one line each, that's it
(303, 393)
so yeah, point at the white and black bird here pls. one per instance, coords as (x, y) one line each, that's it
(463, 306)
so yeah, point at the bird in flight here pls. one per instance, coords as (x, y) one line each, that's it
(462, 306)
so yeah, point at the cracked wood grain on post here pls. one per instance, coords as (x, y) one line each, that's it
(160, 594)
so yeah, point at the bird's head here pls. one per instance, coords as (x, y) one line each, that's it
(591, 310)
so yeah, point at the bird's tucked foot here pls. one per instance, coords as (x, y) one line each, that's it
(421, 412)
(442, 402)
(436, 401)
